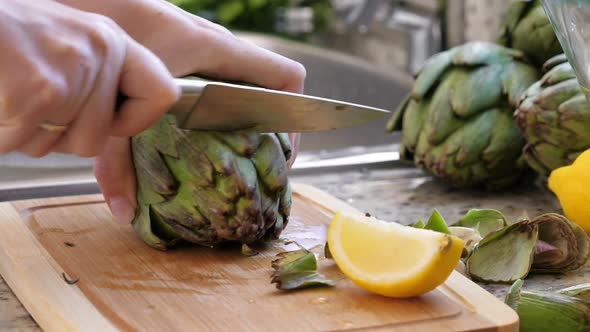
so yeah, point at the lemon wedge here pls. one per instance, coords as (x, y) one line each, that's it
(391, 259)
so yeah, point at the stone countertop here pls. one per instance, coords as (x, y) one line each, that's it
(401, 195)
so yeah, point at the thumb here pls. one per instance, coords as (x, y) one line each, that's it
(115, 174)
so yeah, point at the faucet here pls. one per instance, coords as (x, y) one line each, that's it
(389, 33)
(571, 22)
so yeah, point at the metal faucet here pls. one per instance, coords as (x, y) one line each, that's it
(388, 33)
(571, 22)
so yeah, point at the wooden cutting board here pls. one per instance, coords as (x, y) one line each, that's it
(123, 285)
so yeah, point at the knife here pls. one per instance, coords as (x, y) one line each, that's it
(211, 105)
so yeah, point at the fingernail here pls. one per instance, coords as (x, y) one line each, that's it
(121, 209)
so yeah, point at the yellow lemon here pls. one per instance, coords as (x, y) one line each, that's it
(391, 259)
(571, 185)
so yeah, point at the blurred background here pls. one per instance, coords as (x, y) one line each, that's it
(360, 51)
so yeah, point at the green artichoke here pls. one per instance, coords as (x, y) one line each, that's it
(554, 117)
(457, 121)
(526, 28)
(208, 187)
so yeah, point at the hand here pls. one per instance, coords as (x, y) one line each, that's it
(187, 45)
(65, 67)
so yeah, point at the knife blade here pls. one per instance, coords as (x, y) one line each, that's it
(219, 106)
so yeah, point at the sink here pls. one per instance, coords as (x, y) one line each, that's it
(330, 74)
(335, 75)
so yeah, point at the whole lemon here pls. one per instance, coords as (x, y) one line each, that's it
(571, 185)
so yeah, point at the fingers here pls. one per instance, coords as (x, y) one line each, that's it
(115, 174)
(295, 139)
(189, 45)
(118, 64)
(150, 93)
(88, 132)
(228, 57)
(12, 136)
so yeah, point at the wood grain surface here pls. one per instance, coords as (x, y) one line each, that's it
(122, 284)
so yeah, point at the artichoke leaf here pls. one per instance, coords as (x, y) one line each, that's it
(418, 224)
(486, 220)
(298, 269)
(469, 142)
(555, 231)
(327, 252)
(285, 142)
(431, 72)
(478, 91)
(395, 122)
(559, 72)
(583, 242)
(248, 251)
(505, 255)
(470, 236)
(152, 172)
(540, 311)
(441, 121)
(581, 291)
(271, 170)
(143, 227)
(554, 61)
(437, 223)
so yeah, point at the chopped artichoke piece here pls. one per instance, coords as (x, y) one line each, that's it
(418, 224)
(437, 223)
(297, 269)
(581, 291)
(556, 249)
(583, 241)
(327, 252)
(505, 255)
(551, 312)
(248, 251)
(470, 236)
(484, 221)
(549, 243)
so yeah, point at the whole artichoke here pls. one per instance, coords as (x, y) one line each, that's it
(457, 122)
(526, 28)
(209, 187)
(554, 117)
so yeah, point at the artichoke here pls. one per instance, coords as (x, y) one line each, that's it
(554, 117)
(457, 121)
(549, 243)
(541, 311)
(210, 188)
(526, 28)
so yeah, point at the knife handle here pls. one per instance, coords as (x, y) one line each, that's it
(190, 90)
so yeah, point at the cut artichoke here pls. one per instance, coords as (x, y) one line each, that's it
(298, 269)
(549, 243)
(457, 123)
(557, 248)
(470, 236)
(505, 255)
(209, 187)
(436, 223)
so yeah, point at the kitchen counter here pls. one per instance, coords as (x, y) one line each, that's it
(397, 194)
